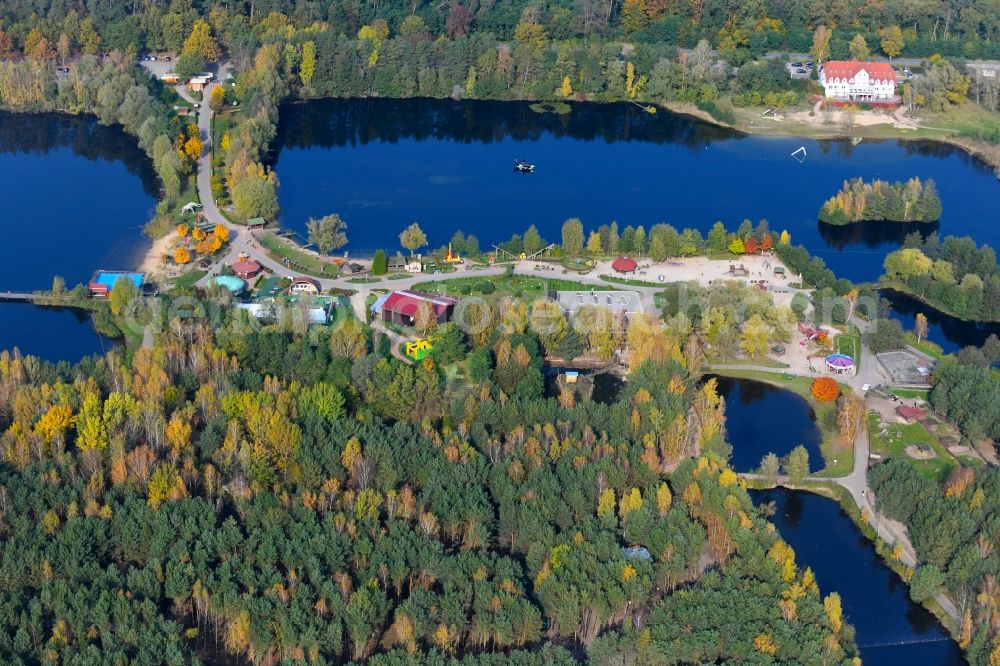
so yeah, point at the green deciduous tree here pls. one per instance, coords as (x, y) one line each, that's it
(327, 233)
(572, 236)
(413, 238)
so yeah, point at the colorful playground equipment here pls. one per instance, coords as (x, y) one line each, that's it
(418, 349)
(452, 258)
(839, 363)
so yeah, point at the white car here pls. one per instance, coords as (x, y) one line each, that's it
(865, 387)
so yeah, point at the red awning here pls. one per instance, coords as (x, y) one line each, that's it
(624, 265)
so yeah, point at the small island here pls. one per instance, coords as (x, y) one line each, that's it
(858, 201)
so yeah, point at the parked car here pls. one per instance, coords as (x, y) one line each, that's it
(801, 70)
(168, 58)
(796, 64)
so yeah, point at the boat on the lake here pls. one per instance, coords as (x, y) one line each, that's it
(523, 167)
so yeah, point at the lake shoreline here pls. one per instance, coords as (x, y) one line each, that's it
(882, 550)
(900, 288)
(986, 153)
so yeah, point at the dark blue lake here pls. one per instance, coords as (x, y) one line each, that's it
(891, 629)
(382, 164)
(54, 334)
(753, 426)
(76, 195)
(949, 332)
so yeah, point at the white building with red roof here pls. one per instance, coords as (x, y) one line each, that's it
(855, 81)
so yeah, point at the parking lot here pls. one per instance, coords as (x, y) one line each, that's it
(905, 367)
(800, 69)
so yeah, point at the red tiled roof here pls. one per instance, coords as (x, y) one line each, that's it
(406, 302)
(910, 412)
(246, 267)
(847, 69)
(624, 264)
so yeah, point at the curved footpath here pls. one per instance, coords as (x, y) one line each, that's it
(242, 242)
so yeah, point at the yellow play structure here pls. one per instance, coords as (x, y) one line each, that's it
(418, 349)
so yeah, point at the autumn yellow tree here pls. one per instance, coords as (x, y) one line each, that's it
(834, 612)
(567, 87)
(182, 230)
(193, 148)
(181, 256)
(201, 42)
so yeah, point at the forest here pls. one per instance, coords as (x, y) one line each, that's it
(968, 394)
(952, 526)
(857, 201)
(293, 495)
(953, 27)
(951, 274)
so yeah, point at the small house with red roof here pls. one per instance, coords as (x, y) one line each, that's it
(246, 270)
(856, 81)
(624, 265)
(401, 307)
(909, 414)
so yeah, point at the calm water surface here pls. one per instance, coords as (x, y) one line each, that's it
(382, 164)
(949, 332)
(891, 629)
(754, 427)
(54, 334)
(76, 195)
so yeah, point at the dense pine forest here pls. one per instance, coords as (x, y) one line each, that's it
(952, 525)
(294, 497)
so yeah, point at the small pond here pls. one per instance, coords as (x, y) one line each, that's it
(762, 418)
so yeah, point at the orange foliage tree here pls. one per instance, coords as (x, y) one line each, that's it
(825, 389)
(182, 256)
(221, 232)
(182, 230)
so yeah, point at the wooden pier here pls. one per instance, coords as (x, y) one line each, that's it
(19, 296)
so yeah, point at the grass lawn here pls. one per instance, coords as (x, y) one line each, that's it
(279, 248)
(800, 385)
(576, 264)
(926, 346)
(763, 361)
(910, 393)
(968, 120)
(189, 278)
(850, 345)
(524, 286)
(838, 456)
(898, 435)
(631, 281)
